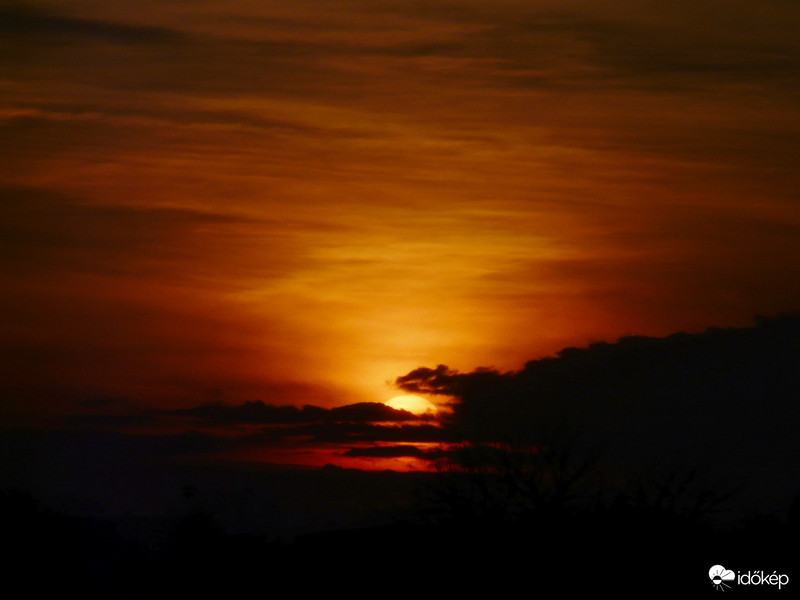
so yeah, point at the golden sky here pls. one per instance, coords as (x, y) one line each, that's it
(297, 202)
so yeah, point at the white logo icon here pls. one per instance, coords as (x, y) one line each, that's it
(719, 575)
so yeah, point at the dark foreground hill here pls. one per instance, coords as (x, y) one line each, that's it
(613, 549)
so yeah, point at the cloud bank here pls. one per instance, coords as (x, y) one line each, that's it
(723, 402)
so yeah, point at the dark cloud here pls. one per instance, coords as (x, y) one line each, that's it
(98, 52)
(250, 412)
(257, 424)
(25, 22)
(336, 432)
(723, 402)
(258, 412)
(670, 49)
(647, 46)
(442, 380)
(387, 452)
(371, 411)
(434, 381)
(548, 47)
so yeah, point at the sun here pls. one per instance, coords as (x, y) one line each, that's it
(413, 404)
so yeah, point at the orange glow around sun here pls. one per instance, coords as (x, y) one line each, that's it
(413, 404)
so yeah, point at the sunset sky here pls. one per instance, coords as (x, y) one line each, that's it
(297, 202)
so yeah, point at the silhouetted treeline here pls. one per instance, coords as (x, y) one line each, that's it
(498, 522)
(501, 519)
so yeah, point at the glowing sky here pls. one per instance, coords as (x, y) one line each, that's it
(297, 202)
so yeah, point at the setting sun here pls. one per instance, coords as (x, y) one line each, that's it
(413, 404)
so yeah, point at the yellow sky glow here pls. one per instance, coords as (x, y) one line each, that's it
(299, 203)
